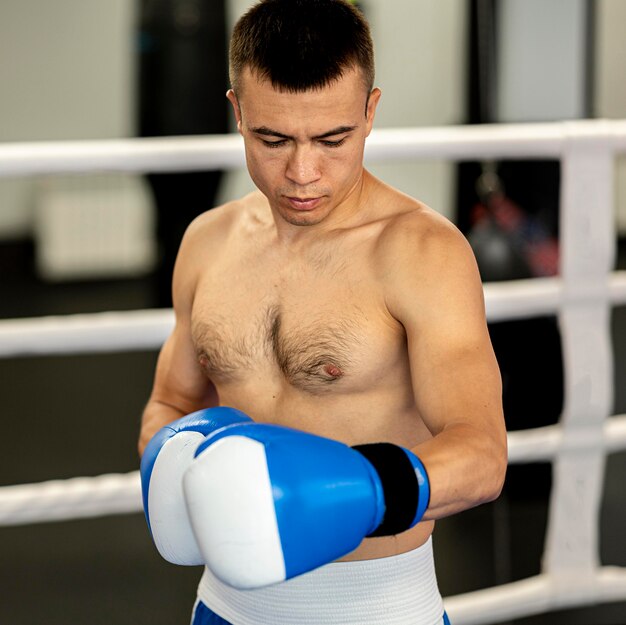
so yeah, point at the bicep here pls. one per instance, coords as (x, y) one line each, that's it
(456, 380)
(454, 372)
(179, 381)
(179, 389)
(180, 385)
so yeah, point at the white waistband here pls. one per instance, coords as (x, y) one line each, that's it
(397, 590)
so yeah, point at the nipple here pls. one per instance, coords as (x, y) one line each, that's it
(333, 371)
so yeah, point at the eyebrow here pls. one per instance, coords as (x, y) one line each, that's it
(268, 132)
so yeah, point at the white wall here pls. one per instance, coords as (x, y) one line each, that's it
(610, 81)
(421, 68)
(67, 69)
(541, 60)
(66, 72)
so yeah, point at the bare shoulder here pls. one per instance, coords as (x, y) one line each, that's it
(426, 267)
(218, 223)
(418, 237)
(210, 235)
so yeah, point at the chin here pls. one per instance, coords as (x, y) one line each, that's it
(305, 219)
(302, 218)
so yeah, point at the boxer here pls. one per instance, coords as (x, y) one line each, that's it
(336, 313)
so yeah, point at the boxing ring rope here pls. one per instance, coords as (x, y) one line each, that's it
(147, 329)
(581, 297)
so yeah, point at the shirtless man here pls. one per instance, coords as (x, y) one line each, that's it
(333, 304)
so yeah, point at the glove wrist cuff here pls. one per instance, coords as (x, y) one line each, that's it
(404, 483)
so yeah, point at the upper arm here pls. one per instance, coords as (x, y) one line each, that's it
(180, 385)
(179, 382)
(434, 290)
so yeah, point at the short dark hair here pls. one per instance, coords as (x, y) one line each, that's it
(300, 45)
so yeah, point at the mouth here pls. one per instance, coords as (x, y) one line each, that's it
(304, 203)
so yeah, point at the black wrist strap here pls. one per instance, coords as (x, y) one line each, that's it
(400, 487)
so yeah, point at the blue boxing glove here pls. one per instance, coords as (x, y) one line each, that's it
(267, 503)
(166, 457)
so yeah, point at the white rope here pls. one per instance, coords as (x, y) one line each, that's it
(226, 151)
(103, 495)
(75, 498)
(542, 444)
(148, 329)
(536, 595)
(587, 251)
(522, 299)
(130, 155)
(86, 333)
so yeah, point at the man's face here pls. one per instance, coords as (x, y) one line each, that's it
(304, 151)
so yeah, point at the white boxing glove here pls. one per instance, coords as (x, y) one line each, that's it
(166, 458)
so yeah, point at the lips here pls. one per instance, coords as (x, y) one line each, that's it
(304, 204)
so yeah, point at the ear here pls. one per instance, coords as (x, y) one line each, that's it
(232, 98)
(370, 109)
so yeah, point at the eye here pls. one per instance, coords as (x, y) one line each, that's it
(333, 144)
(273, 144)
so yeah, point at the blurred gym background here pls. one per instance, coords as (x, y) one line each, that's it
(86, 69)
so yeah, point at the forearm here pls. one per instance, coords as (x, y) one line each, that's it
(156, 415)
(466, 468)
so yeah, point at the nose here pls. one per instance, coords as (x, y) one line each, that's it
(303, 166)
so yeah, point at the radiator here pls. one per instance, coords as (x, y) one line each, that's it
(93, 226)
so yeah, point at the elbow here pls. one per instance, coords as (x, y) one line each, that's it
(141, 446)
(144, 439)
(497, 474)
(496, 487)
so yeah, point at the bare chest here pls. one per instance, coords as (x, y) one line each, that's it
(317, 332)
